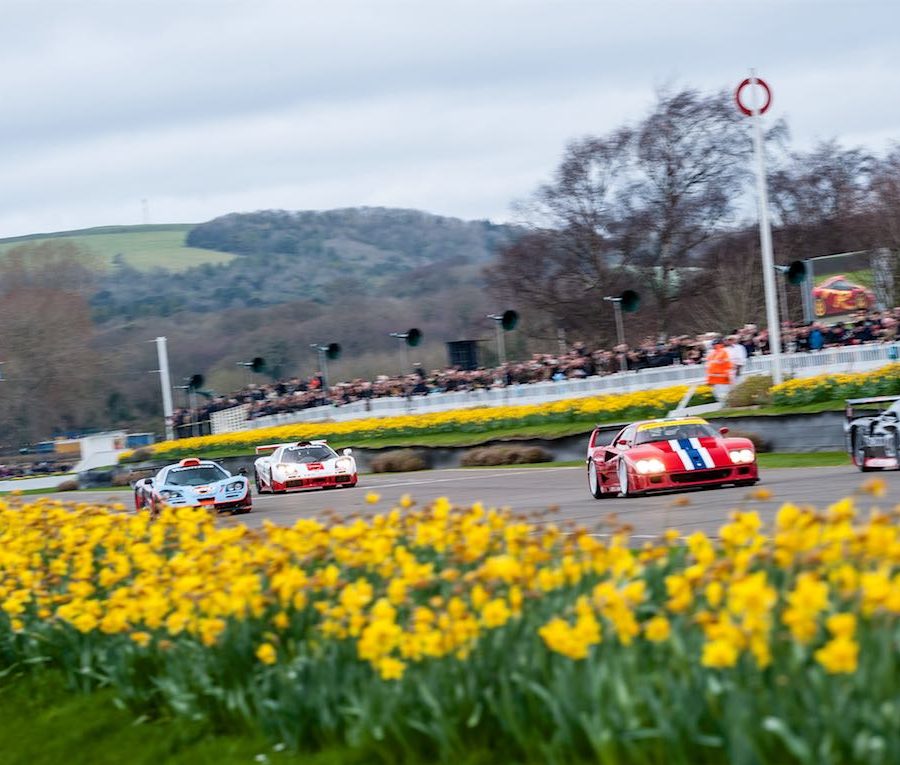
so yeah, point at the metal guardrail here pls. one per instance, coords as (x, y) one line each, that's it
(845, 359)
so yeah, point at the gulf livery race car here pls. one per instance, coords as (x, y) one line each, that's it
(303, 465)
(661, 455)
(872, 432)
(194, 483)
(836, 295)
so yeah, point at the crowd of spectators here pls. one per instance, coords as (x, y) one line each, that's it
(578, 362)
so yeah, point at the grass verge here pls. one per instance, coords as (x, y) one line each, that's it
(44, 723)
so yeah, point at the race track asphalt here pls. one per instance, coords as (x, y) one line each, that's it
(564, 490)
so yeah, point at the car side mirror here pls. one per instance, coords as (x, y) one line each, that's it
(621, 442)
(723, 431)
(147, 482)
(242, 471)
(347, 452)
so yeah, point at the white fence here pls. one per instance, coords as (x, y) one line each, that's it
(847, 359)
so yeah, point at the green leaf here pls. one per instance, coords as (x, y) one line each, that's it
(794, 744)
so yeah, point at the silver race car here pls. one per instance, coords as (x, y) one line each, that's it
(872, 432)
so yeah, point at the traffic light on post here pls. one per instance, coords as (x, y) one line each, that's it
(413, 337)
(258, 364)
(195, 382)
(332, 351)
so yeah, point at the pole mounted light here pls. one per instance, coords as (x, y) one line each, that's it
(411, 338)
(629, 301)
(256, 364)
(795, 273)
(505, 322)
(326, 352)
(191, 385)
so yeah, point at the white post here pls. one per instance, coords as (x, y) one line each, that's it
(501, 345)
(765, 236)
(166, 386)
(620, 326)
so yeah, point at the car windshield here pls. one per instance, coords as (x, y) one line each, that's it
(306, 454)
(195, 476)
(665, 431)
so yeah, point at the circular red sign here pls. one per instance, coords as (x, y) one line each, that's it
(744, 84)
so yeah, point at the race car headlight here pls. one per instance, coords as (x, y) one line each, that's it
(236, 486)
(169, 494)
(649, 466)
(740, 456)
(343, 464)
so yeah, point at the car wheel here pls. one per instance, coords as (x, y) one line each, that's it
(624, 488)
(256, 482)
(594, 481)
(859, 452)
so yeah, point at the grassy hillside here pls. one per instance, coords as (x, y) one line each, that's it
(141, 247)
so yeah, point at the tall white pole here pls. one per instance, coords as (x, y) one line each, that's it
(166, 386)
(765, 236)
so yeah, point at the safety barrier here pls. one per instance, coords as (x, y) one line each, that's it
(846, 359)
(229, 420)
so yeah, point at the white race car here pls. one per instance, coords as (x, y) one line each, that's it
(303, 465)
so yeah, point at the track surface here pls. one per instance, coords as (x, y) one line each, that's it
(532, 490)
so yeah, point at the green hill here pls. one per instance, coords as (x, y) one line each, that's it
(140, 247)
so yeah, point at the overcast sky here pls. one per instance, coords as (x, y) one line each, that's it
(204, 107)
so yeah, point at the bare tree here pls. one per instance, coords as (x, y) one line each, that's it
(51, 372)
(883, 214)
(817, 199)
(689, 168)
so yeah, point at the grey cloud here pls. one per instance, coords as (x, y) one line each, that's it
(204, 104)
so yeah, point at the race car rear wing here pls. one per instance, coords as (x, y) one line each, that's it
(267, 448)
(867, 407)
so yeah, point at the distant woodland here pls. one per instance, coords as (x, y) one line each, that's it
(664, 206)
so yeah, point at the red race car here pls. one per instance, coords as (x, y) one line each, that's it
(662, 455)
(836, 296)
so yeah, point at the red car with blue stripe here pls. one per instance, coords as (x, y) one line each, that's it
(667, 455)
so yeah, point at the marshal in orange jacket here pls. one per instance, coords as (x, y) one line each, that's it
(718, 366)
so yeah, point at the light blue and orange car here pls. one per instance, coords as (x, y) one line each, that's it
(194, 482)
